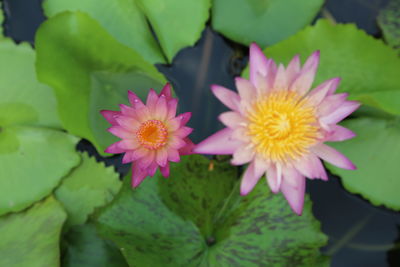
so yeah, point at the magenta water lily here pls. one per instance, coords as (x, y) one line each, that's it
(152, 135)
(279, 126)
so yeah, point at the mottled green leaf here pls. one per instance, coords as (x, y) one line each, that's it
(89, 71)
(88, 186)
(33, 161)
(376, 152)
(263, 21)
(198, 218)
(23, 99)
(369, 69)
(31, 238)
(1, 20)
(176, 23)
(389, 21)
(121, 18)
(85, 248)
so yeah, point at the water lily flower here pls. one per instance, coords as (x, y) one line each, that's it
(278, 126)
(152, 135)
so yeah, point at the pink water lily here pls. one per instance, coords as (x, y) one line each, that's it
(278, 126)
(152, 135)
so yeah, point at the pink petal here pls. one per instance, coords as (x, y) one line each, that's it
(183, 132)
(110, 115)
(145, 161)
(245, 88)
(151, 170)
(173, 155)
(280, 82)
(128, 144)
(318, 94)
(121, 132)
(231, 119)
(293, 69)
(138, 175)
(172, 106)
(174, 124)
(188, 148)
(166, 91)
(161, 110)
(242, 155)
(162, 157)
(274, 178)
(342, 112)
(128, 123)
(165, 170)
(262, 84)
(152, 98)
(258, 63)
(115, 148)
(333, 156)
(135, 155)
(294, 194)
(331, 103)
(240, 133)
(219, 143)
(311, 167)
(135, 101)
(128, 111)
(176, 143)
(226, 96)
(251, 176)
(339, 133)
(305, 79)
(184, 118)
(143, 114)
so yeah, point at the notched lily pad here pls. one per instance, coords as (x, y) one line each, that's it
(198, 218)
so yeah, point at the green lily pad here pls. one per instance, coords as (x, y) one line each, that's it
(31, 238)
(85, 248)
(121, 18)
(33, 162)
(389, 22)
(376, 152)
(198, 218)
(88, 186)
(263, 21)
(23, 98)
(176, 23)
(89, 71)
(369, 69)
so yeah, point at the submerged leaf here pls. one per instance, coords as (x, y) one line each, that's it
(389, 21)
(198, 218)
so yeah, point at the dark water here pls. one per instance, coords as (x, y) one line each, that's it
(360, 234)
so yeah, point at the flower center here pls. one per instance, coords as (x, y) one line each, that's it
(152, 134)
(282, 126)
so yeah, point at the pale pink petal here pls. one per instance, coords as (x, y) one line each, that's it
(245, 88)
(166, 91)
(174, 124)
(165, 170)
(280, 82)
(151, 170)
(293, 69)
(143, 114)
(121, 132)
(135, 155)
(188, 148)
(152, 98)
(183, 132)
(340, 113)
(304, 80)
(242, 155)
(172, 106)
(128, 123)
(331, 103)
(162, 157)
(135, 101)
(128, 157)
(333, 156)
(129, 144)
(262, 84)
(161, 110)
(184, 118)
(231, 119)
(219, 143)
(311, 167)
(294, 194)
(110, 115)
(253, 173)
(258, 63)
(127, 111)
(240, 133)
(339, 133)
(138, 175)
(173, 155)
(274, 177)
(145, 162)
(115, 148)
(226, 96)
(316, 96)
(176, 142)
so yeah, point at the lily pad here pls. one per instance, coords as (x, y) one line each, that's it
(89, 71)
(85, 248)
(263, 21)
(88, 186)
(369, 69)
(31, 238)
(33, 162)
(198, 218)
(376, 152)
(24, 100)
(121, 18)
(389, 22)
(1, 20)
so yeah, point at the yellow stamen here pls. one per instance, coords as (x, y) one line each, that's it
(282, 126)
(152, 134)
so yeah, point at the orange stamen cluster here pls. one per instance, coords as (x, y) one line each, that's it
(152, 134)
